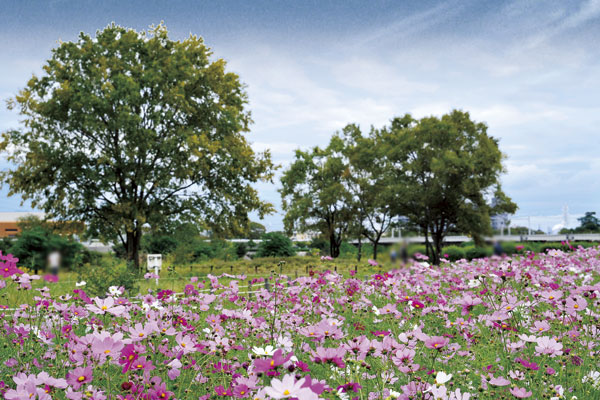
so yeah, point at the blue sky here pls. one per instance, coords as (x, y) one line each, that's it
(529, 69)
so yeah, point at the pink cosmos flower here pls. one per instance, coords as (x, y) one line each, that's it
(540, 326)
(106, 306)
(575, 304)
(51, 278)
(436, 342)
(269, 364)
(333, 355)
(500, 381)
(288, 387)
(520, 393)
(550, 346)
(79, 377)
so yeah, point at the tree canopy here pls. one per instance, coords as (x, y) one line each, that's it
(315, 196)
(447, 171)
(131, 128)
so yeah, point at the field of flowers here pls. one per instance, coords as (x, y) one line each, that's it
(523, 327)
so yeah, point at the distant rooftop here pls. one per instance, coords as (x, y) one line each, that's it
(16, 216)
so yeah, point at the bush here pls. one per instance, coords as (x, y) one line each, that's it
(108, 272)
(347, 250)
(472, 252)
(159, 244)
(544, 247)
(509, 248)
(275, 244)
(241, 249)
(416, 248)
(32, 247)
(454, 253)
(319, 243)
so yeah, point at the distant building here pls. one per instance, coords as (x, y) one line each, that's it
(9, 221)
(304, 236)
(9, 224)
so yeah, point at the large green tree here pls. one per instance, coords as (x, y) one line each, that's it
(369, 178)
(132, 128)
(447, 172)
(315, 196)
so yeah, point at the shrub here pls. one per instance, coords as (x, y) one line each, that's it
(108, 272)
(33, 246)
(454, 252)
(275, 244)
(416, 248)
(241, 249)
(347, 250)
(159, 244)
(472, 252)
(509, 248)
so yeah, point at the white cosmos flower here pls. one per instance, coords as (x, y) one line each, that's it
(474, 283)
(593, 377)
(114, 290)
(442, 377)
(264, 351)
(342, 395)
(80, 284)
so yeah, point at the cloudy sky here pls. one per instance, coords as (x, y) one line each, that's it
(529, 69)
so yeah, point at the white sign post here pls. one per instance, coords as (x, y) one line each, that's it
(155, 263)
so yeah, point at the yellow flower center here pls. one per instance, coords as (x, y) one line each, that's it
(286, 392)
(576, 306)
(272, 363)
(141, 334)
(81, 378)
(106, 351)
(104, 308)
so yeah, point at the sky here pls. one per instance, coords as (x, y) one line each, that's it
(528, 69)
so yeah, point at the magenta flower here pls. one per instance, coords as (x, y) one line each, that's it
(270, 364)
(79, 377)
(51, 278)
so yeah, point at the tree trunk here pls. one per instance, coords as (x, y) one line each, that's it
(375, 244)
(334, 246)
(134, 239)
(437, 247)
(359, 254)
(425, 230)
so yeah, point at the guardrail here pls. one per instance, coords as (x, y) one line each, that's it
(572, 237)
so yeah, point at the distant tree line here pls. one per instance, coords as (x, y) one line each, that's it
(437, 175)
(589, 223)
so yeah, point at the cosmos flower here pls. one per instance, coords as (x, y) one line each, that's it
(436, 342)
(79, 377)
(288, 387)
